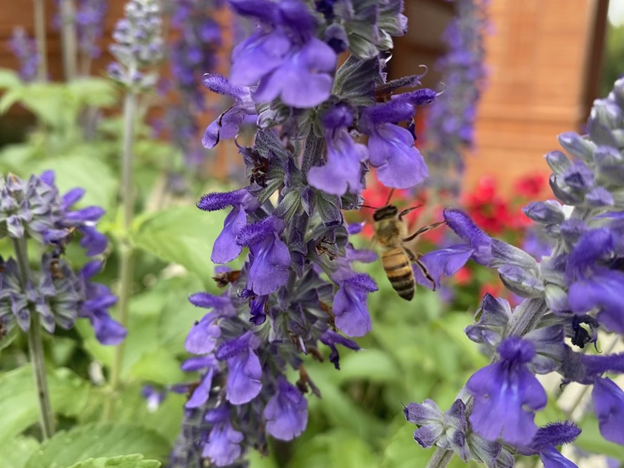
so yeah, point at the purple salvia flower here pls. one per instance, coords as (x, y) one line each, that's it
(270, 258)
(245, 372)
(350, 306)
(223, 445)
(506, 394)
(286, 412)
(226, 247)
(608, 401)
(227, 125)
(331, 339)
(546, 440)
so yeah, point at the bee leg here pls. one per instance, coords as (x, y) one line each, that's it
(415, 258)
(424, 229)
(404, 212)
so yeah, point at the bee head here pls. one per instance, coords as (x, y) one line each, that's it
(386, 212)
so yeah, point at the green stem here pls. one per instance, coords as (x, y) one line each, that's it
(40, 33)
(68, 38)
(126, 250)
(35, 347)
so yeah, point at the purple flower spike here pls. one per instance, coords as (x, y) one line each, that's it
(609, 407)
(286, 412)
(244, 369)
(270, 257)
(331, 339)
(226, 248)
(223, 446)
(350, 304)
(506, 394)
(303, 79)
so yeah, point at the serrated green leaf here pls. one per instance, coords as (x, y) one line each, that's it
(182, 235)
(18, 402)
(126, 461)
(591, 441)
(16, 452)
(96, 441)
(85, 171)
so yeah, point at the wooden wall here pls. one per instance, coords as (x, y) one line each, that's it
(540, 85)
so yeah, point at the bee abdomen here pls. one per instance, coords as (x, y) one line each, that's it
(398, 267)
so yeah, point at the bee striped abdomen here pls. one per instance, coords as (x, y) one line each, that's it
(398, 267)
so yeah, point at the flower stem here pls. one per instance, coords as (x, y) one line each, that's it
(126, 250)
(40, 33)
(440, 458)
(35, 347)
(68, 38)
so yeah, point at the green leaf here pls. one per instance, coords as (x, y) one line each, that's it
(9, 79)
(85, 171)
(18, 402)
(98, 440)
(16, 452)
(126, 461)
(9, 98)
(591, 441)
(94, 92)
(182, 235)
(369, 364)
(158, 366)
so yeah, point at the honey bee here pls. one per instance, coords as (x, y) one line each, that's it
(55, 267)
(396, 258)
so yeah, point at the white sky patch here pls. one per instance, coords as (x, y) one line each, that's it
(616, 12)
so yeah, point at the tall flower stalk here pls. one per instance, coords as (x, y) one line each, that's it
(450, 124)
(53, 294)
(571, 293)
(40, 35)
(193, 53)
(138, 47)
(297, 289)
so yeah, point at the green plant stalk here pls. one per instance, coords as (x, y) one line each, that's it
(35, 348)
(68, 38)
(126, 249)
(40, 33)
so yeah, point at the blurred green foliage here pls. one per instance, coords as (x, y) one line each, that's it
(613, 60)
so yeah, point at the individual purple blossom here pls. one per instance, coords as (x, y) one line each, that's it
(153, 397)
(342, 172)
(286, 412)
(331, 339)
(350, 307)
(269, 255)
(226, 248)
(227, 125)
(506, 395)
(25, 50)
(223, 445)
(245, 372)
(97, 300)
(608, 401)
(546, 440)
